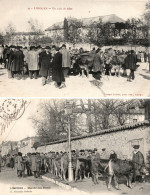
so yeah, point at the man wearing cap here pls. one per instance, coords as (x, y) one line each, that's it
(138, 161)
(45, 62)
(66, 61)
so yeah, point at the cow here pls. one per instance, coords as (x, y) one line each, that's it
(113, 169)
(117, 62)
(64, 166)
(117, 168)
(82, 167)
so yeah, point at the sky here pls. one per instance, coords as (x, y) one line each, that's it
(23, 127)
(19, 12)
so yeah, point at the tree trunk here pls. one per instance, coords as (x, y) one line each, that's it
(147, 110)
(88, 115)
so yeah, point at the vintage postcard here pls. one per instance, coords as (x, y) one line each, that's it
(73, 48)
(75, 146)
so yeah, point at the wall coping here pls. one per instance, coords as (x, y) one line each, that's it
(130, 126)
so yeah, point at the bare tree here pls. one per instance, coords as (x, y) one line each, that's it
(86, 116)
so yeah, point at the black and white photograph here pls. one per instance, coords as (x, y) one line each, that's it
(75, 146)
(73, 48)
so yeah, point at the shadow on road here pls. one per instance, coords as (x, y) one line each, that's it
(98, 84)
(145, 76)
(1, 74)
(146, 71)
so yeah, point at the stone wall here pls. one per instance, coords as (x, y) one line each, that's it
(120, 141)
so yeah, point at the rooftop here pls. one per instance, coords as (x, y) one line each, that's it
(27, 33)
(87, 21)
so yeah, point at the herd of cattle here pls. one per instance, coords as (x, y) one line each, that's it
(93, 166)
(109, 63)
(84, 165)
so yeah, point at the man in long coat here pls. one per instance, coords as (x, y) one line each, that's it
(25, 68)
(138, 162)
(28, 164)
(45, 62)
(130, 63)
(18, 62)
(9, 61)
(66, 60)
(0, 161)
(149, 59)
(19, 164)
(1, 55)
(35, 164)
(97, 66)
(33, 62)
(57, 71)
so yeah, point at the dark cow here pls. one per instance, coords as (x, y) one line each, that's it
(117, 168)
(120, 168)
(114, 169)
(82, 168)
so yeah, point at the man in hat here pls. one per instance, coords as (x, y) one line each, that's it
(0, 161)
(9, 61)
(28, 164)
(33, 164)
(18, 62)
(130, 63)
(6, 49)
(25, 68)
(45, 62)
(138, 161)
(33, 62)
(1, 56)
(19, 164)
(66, 61)
(57, 71)
(149, 59)
(103, 154)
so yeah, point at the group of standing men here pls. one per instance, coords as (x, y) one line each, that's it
(51, 63)
(37, 163)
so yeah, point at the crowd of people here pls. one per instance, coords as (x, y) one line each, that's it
(56, 63)
(37, 164)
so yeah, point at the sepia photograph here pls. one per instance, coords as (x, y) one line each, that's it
(75, 97)
(75, 146)
(68, 48)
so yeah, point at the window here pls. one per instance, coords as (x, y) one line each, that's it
(134, 120)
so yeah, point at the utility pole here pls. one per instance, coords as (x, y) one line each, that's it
(70, 168)
(149, 44)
